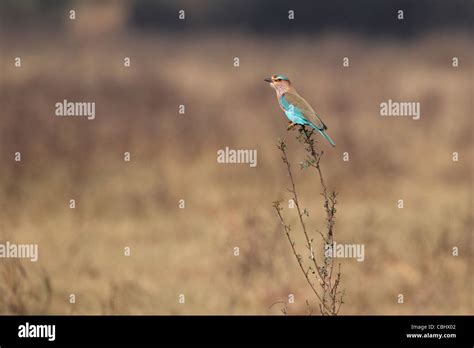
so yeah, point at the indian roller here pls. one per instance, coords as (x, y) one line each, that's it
(295, 107)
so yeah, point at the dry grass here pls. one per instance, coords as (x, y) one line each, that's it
(190, 250)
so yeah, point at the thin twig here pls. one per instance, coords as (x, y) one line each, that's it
(300, 214)
(298, 257)
(329, 297)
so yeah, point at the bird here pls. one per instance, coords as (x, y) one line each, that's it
(295, 107)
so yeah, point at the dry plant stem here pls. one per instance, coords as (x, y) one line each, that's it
(300, 215)
(329, 200)
(298, 257)
(329, 298)
(284, 309)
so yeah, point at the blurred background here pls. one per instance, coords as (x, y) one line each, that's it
(173, 156)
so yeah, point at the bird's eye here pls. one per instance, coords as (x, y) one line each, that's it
(277, 80)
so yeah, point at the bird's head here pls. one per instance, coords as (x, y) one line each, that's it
(280, 83)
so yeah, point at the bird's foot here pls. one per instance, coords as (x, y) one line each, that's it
(291, 126)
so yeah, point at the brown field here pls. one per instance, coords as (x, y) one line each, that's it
(190, 251)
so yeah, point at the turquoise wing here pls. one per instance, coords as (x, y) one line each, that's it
(293, 113)
(304, 108)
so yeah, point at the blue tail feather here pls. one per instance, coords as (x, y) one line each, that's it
(324, 134)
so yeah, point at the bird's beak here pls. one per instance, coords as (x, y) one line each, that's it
(268, 79)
